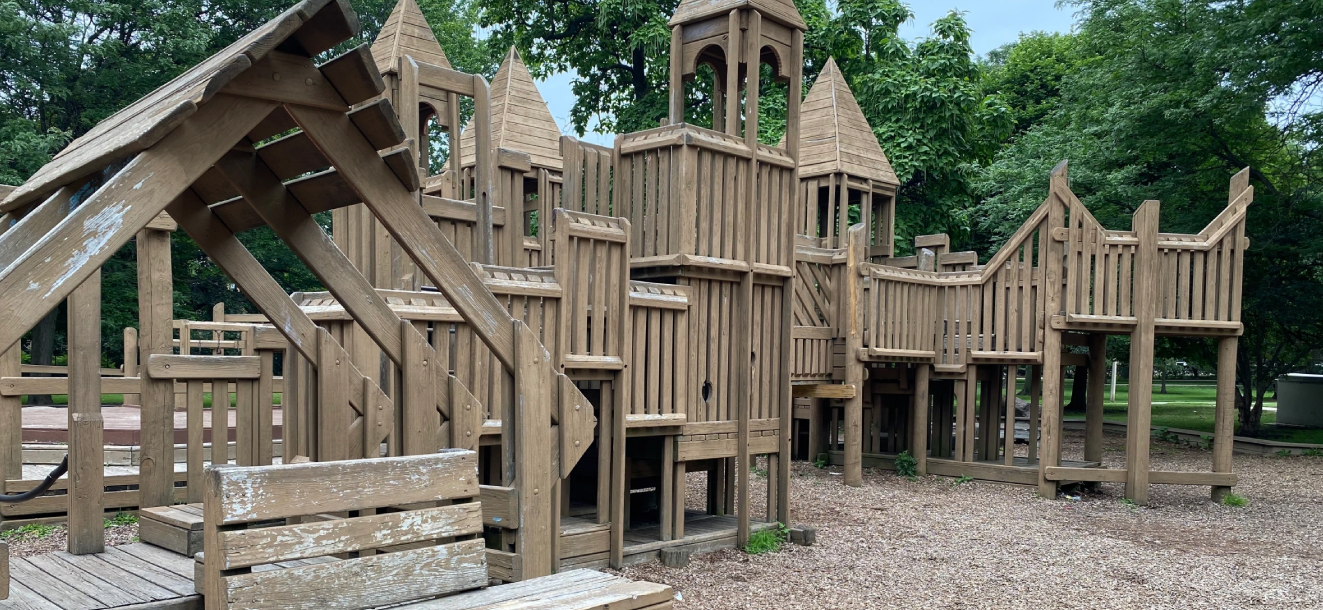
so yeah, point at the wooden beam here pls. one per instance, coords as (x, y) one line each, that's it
(156, 409)
(853, 311)
(82, 242)
(824, 390)
(87, 533)
(532, 467)
(218, 243)
(1093, 403)
(1139, 413)
(299, 230)
(1224, 418)
(395, 207)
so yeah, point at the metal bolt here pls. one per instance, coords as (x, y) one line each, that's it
(468, 433)
(577, 407)
(307, 81)
(576, 443)
(535, 491)
(275, 76)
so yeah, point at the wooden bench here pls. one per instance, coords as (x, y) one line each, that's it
(412, 557)
(173, 528)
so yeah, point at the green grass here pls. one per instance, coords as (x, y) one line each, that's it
(768, 540)
(1189, 405)
(31, 530)
(1234, 500)
(121, 519)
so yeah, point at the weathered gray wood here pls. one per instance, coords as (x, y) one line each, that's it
(245, 548)
(260, 493)
(87, 535)
(365, 582)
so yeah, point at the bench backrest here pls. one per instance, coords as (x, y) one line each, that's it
(422, 560)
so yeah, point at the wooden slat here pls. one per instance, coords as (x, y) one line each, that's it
(244, 548)
(169, 366)
(365, 582)
(263, 493)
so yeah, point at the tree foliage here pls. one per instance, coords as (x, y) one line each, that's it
(1166, 99)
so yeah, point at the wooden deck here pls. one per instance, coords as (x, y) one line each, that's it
(137, 576)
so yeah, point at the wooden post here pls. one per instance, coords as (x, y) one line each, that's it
(743, 364)
(1050, 426)
(87, 535)
(1007, 396)
(1139, 411)
(1093, 404)
(131, 362)
(854, 368)
(919, 418)
(484, 251)
(677, 79)
(1035, 398)
(156, 336)
(532, 429)
(1225, 418)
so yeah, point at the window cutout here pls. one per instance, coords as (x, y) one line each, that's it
(707, 390)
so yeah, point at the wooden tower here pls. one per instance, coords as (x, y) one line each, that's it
(520, 122)
(711, 209)
(841, 166)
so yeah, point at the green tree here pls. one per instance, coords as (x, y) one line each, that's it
(1168, 99)
(1027, 74)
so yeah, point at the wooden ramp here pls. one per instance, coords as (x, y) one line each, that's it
(134, 575)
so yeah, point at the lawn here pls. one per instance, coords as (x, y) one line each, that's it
(1189, 405)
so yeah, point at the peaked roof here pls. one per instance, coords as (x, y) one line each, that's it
(407, 33)
(834, 136)
(146, 121)
(520, 118)
(696, 10)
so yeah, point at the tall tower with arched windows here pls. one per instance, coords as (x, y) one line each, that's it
(711, 210)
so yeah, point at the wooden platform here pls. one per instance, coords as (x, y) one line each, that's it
(122, 425)
(130, 576)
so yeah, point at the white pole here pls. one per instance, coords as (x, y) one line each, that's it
(1114, 381)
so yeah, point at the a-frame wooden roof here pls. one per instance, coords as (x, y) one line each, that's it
(407, 33)
(152, 117)
(834, 136)
(520, 118)
(783, 11)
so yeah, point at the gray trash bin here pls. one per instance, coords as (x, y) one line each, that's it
(1300, 400)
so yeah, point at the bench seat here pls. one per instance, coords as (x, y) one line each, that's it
(572, 590)
(173, 528)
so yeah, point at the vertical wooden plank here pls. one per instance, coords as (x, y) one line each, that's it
(193, 453)
(220, 421)
(1035, 382)
(532, 468)
(919, 419)
(1139, 411)
(676, 89)
(155, 313)
(418, 398)
(245, 408)
(265, 416)
(1006, 397)
(87, 535)
(130, 362)
(1224, 421)
(334, 414)
(854, 368)
(1093, 404)
(1051, 404)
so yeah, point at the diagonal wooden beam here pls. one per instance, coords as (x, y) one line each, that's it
(219, 243)
(76, 247)
(262, 190)
(36, 223)
(351, 154)
(401, 342)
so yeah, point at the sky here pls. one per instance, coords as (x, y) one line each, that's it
(994, 23)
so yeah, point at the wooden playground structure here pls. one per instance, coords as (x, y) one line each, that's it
(520, 360)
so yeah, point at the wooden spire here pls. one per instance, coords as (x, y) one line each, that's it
(783, 11)
(407, 33)
(520, 118)
(834, 135)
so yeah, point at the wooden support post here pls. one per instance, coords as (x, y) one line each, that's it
(1225, 413)
(969, 403)
(131, 362)
(1035, 397)
(676, 88)
(87, 534)
(532, 429)
(854, 368)
(679, 498)
(618, 394)
(919, 419)
(4, 570)
(1093, 404)
(787, 407)
(484, 250)
(816, 430)
(1139, 411)
(1007, 398)
(1050, 427)
(156, 336)
(742, 367)
(666, 505)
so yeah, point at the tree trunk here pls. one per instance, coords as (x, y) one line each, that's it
(1163, 376)
(43, 348)
(1078, 389)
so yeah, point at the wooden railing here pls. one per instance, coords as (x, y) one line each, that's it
(593, 270)
(660, 371)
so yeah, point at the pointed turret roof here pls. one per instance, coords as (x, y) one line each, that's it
(834, 136)
(784, 11)
(407, 33)
(520, 118)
